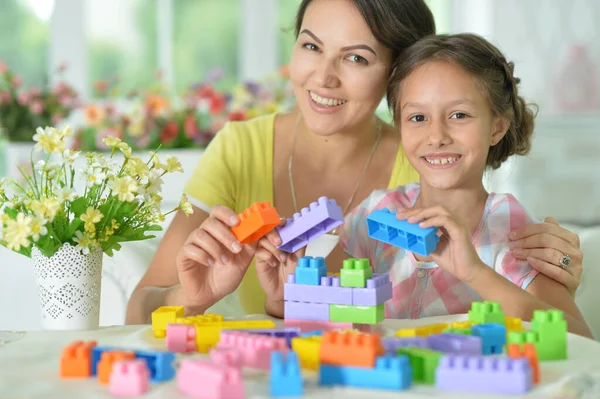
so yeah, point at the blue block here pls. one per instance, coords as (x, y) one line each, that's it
(315, 333)
(159, 363)
(390, 372)
(382, 225)
(493, 337)
(310, 270)
(285, 378)
(97, 354)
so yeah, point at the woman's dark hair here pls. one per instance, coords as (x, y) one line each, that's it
(396, 24)
(488, 65)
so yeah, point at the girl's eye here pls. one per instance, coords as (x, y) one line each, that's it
(459, 115)
(358, 59)
(310, 46)
(417, 118)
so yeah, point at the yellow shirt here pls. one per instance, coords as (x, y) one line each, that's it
(236, 170)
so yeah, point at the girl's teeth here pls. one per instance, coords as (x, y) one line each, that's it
(441, 161)
(328, 102)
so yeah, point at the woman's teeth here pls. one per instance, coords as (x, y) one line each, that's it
(441, 161)
(328, 102)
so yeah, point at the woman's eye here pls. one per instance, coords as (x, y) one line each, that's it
(310, 46)
(417, 118)
(459, 115)
(358, 59)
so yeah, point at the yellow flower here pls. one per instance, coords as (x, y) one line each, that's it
(136, 128)
(91, 216)
(124, 188)
(125, 149)
(46, 207)
(38, 228)
(137, 168)
(49, 140)
(66, 131)
(84, 242)
(112, 142)
(17, 231)
(185, 206)
(173, 165)
(90, 229)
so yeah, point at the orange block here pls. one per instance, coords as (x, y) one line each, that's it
(76, 360)
(106, 363)
(256, 221)
(350, 349)
(527, 351)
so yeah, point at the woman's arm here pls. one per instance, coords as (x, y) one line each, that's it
(542, 293)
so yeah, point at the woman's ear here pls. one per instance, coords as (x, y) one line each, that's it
(499, 129)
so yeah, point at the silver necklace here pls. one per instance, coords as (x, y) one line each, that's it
(364, 171)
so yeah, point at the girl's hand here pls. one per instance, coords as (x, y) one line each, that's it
(455, 252)
(273, 265)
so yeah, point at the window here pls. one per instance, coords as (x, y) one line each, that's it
(122, 42)
(205, 39)
(286, 18)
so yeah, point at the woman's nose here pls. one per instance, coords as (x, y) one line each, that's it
(326, 74)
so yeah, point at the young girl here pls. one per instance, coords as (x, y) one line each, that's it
(456, 103)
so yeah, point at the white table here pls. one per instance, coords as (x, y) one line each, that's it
(29, 367)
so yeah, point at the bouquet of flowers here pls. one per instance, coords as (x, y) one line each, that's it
(22, 109)
(120, 200)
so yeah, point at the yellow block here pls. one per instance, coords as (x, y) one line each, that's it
(308, 350)
(513, 324)
(209, 334)
(163, 316)
(462, 324)
(422, 331)
(208, 318)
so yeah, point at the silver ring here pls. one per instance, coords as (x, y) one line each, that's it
(565, 261)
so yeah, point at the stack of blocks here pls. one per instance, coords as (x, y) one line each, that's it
(356, 296)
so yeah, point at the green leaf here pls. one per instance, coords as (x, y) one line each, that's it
(73, 228)
(153, 227)
(11, 212)
(79, 206)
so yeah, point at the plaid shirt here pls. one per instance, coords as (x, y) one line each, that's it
(422, 289)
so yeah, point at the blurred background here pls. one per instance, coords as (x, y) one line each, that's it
(171, 72)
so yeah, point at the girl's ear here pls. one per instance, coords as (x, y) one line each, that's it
(499, 129)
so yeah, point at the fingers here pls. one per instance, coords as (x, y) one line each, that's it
(446, 224)
(548, 255)
(557, 273)
(415, 215)
(225, 215)
(545, 241)
(194, 253)
(214, 250)
(269, 253)
(273, 237)
(549, 227)
(551, 220)
(222, 233)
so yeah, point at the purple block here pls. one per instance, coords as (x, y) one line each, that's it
(484, 374)
(287, 332)
(378, 290)
(312, 222)
(328, 292)
(306, 311)
(391, 344)
(455, 343)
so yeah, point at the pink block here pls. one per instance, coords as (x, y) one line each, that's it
(255, 349)
(202, 379)
(227, 357)
(312, 325)
(181, 338)
(129, 378)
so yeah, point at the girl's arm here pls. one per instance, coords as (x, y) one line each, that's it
(542, 293)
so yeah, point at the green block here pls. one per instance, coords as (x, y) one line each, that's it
(460, 331)
(357, 314)
(355, 273)
(522, 337)
(551, 329)
(424, 363)
(486, 312)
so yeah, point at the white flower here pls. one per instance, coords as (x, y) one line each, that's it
(49, 140)
(70, 156)
(155, 182)
(84, 242)
(38, 227)
(94, 176)
(65, 193)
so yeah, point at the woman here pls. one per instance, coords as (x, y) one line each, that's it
(331, 145)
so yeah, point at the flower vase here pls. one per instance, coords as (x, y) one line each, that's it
(69, 285)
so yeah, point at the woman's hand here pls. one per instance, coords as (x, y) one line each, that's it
(274, 265)
(212, 263)
(454, 252)
(543, 245)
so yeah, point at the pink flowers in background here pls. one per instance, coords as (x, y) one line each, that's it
(23, 109)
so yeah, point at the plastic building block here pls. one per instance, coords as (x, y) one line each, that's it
(315, 333)
(181, 338)
(528, 351)
(311, 325)
(382, 225)
(255, 349)
(459, 331)
(391, 344)
(377, 291)
(357, 314)
(486, 312)
(230, 357)
(163, 316)
(107, 360)
(422, 331)
(493, 337)
(350, 349)
(129, 378)
(424, 362)
(285, 378)
(484, 374)
(256, 221)
(328, 292)
(455, 343)
(208, 335)
(286, 333)
(161, 364)
(306, 311)
(308, 350)
(390, 372)
(355, 273)
(201, 379)
(551, 328)
(201, 319)
(76, 360)
(513, 324)
(462, 324)
(310, 270)
(523, 338)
